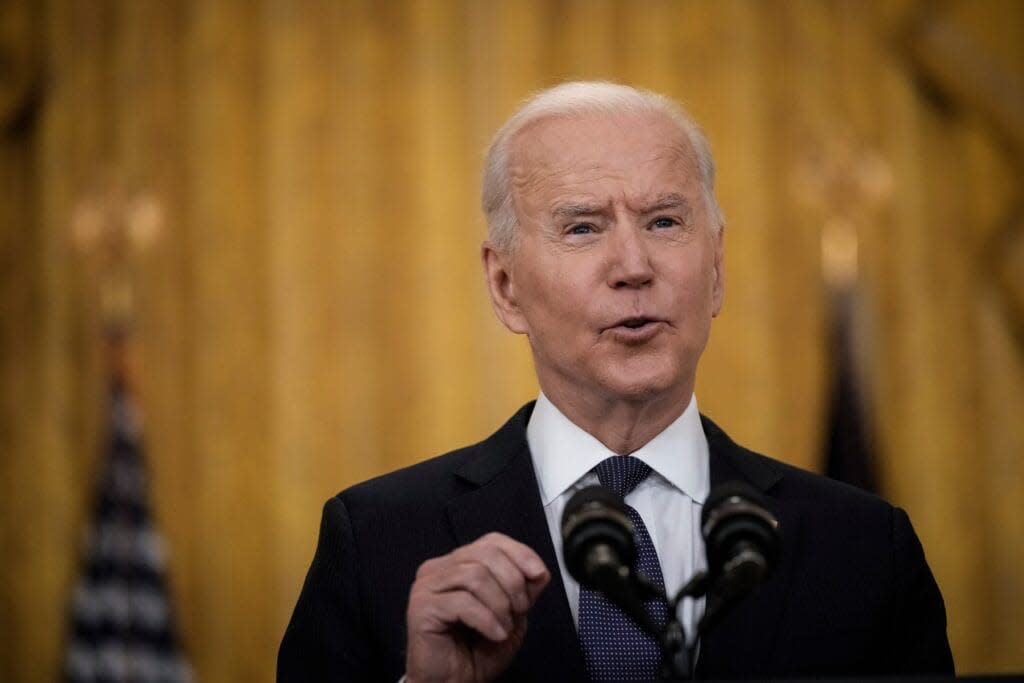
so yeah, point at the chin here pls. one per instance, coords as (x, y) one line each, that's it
(634, 386)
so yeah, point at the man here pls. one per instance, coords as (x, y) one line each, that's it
(605, 250)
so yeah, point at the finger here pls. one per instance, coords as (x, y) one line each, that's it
(479, 579)
(446, 609)
(507, 573)
(529, 562)
(522, 555)
(515, 565)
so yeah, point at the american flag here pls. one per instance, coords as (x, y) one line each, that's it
(122, 627)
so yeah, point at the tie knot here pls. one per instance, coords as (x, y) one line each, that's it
(622, 473)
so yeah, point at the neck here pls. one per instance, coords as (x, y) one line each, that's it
(622, 425)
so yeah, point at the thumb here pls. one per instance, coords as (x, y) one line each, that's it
(536, 586)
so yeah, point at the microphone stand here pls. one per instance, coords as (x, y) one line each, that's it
(678, 663)
(680, 657)
(629, 590)
(677, 656)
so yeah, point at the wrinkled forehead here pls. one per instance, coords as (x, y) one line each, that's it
(557, 147)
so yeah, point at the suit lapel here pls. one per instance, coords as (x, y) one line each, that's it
(505, 498)
(744, 640)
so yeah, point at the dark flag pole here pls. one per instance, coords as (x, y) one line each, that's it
(122, 626)
(844, 181)
(849, 453)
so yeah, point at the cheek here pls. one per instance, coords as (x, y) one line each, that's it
(558, 288)
(694, 290)
(558, 310)
(559, 303)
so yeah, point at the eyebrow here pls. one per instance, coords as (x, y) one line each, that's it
(574, 210)
(664, 202)
(667, 201)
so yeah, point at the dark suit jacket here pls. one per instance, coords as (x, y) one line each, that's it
(852, 594)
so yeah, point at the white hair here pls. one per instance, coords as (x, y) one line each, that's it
(573, 99)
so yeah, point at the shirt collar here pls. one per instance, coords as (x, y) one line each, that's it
(563, 452)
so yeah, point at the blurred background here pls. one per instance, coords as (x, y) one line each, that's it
(278, 202)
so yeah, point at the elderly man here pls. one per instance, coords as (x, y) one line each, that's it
(605, 250)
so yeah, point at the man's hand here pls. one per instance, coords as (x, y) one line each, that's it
(467, 610)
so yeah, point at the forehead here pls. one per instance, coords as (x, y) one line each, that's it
(634, 153)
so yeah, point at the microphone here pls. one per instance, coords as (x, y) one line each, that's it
(741, 538)
(742, 542)
(597, 539)
(599, 551)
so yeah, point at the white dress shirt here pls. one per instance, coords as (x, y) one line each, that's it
(669, 501)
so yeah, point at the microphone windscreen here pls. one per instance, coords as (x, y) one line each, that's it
(735, 515)
(589, 495)
(595, 516)
(727, 490)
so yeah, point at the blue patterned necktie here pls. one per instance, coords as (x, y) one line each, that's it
(614, 647)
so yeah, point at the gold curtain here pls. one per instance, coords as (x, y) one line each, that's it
(312, 312)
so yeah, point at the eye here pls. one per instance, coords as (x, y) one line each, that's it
(580, 229)
(664, 222)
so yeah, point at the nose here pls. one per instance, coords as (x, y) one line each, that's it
(629, 263)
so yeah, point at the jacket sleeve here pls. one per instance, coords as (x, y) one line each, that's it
(918, 637)
(326, 638)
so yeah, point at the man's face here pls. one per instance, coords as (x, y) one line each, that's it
(617, 273)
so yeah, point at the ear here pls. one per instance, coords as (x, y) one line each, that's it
(718, 286)
(501, 287)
